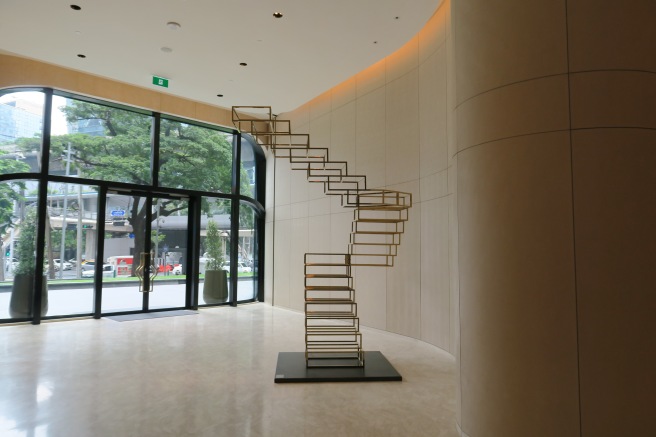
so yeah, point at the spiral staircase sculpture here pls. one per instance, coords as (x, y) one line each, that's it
(332, 330)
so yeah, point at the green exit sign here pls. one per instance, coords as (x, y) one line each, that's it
(160, 81)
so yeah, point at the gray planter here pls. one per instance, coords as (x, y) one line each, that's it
(22, 294)
(215, 289)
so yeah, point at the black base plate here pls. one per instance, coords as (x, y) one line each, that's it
(291, 368)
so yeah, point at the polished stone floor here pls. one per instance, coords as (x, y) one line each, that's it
(209, 374)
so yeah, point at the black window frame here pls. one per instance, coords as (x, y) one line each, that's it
(153, 189)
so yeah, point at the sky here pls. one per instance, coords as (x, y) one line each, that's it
(58, 118)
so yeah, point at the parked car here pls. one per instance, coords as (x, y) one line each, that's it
(67, 266)
(177, 270)
(89, 265)
(241, 267)
(108, 272)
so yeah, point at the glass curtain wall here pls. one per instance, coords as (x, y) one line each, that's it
(66, 164)
(18, 270)
(247, 286)
(214, 255)
(71, 223)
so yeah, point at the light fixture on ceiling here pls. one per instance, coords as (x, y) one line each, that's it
(277, 14)
(173, 25)
(75, 7)
(243, 64)
(166, 49)
(219, 95)
(81, 56)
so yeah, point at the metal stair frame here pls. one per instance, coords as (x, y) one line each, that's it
(332, 325)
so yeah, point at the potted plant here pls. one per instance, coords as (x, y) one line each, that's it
(215, 289)
(22, 292)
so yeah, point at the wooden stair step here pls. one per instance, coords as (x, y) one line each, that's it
(331, 313)
(374, 220)
(327, 264)
(328, 288)
(327, 275)
(377, 232)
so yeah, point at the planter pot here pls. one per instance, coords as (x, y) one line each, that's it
(215, 289)
(22, 294)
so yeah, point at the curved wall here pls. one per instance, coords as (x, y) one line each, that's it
(556, 135)
(526, 132)
(390, 123)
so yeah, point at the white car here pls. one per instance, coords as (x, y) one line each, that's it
(241, 267)
(67, 265)
(177, 270)
(108, 272)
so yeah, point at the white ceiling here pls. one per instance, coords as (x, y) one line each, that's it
(315, 46)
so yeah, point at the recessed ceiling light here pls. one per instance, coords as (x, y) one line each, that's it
(81, 56)
(173, 25)
(375, 42)
(75, 7)
(219, 95)
(243, 64)
(396, 18)
(277, 14)
(166, 49)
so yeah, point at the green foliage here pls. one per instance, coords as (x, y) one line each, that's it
(191, 157)
(26, 244)
(156, 238)
(10, 191)
(8, 166)
(70, 239)
(214, 247)
(194, 158)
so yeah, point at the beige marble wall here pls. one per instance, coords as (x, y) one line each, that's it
(389, 122)
(556, 118)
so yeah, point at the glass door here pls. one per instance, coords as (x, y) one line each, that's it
(144, 252)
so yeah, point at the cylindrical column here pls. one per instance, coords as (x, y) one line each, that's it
(556, 136)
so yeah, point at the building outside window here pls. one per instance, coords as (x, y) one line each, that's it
(122, 198)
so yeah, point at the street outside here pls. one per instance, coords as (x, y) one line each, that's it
(71, 301)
